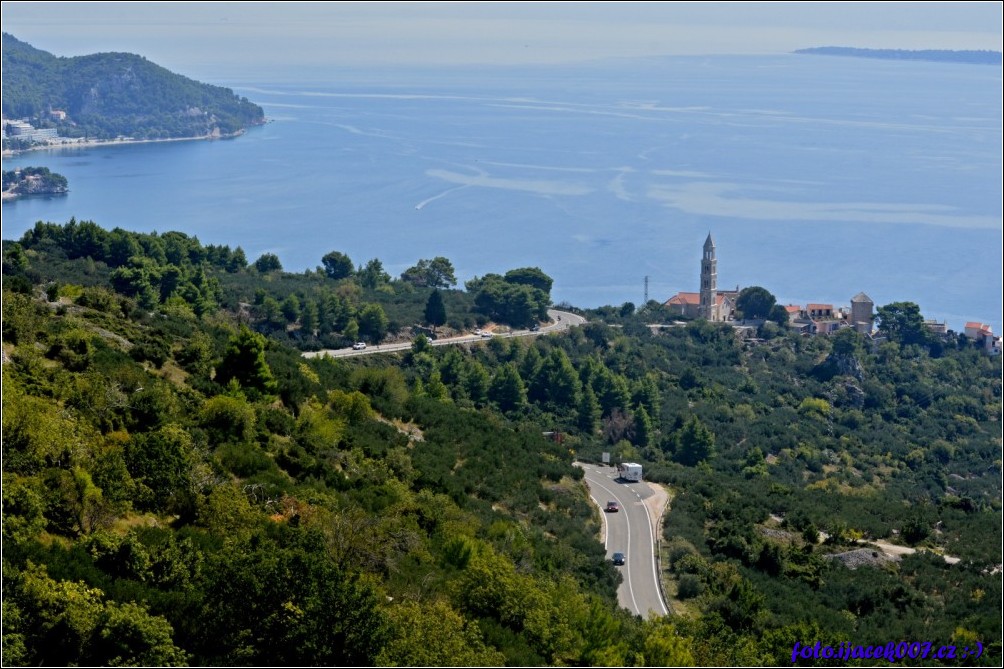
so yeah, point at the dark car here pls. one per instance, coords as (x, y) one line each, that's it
(619, 558)
(613, 506)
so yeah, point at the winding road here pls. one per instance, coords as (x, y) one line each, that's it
(560, 321)
(629, 531)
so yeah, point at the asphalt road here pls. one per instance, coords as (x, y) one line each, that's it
(628, 531)
(560, 321)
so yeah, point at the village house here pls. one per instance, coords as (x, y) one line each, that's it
(983, 336)
(936, 328)
(816, 318)
(720, 305)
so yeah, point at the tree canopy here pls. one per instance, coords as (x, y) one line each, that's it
(902, 322)
(268, 262)
(337, 265)
(372, 275)
(514, 302)
(530, 276)
(435, 273)
(182, 485)
(755, 303)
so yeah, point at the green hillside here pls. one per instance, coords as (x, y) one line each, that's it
(181, 485)
(107, 95)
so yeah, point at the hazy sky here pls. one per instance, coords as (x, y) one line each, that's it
(245, 39)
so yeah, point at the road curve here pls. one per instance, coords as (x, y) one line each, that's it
(560, 321)
(628, 531)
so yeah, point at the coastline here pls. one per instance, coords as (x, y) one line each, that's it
(91, 143)
(8, 196)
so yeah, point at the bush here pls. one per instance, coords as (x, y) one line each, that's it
(73, 349)
(153, 351)
(228, 419)
(100, 299)
(243, 460)
(689, 587)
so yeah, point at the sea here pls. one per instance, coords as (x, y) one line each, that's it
(817, 177)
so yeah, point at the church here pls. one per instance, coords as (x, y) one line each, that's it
(710, 304)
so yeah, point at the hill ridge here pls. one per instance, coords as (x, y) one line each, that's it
(114, 94)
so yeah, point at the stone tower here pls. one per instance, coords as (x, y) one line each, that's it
(861, 313)
(709, 282)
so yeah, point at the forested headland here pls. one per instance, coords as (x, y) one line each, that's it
(33, 181)
(110, 95)
(181, 485)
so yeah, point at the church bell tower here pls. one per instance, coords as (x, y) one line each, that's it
(709, 281)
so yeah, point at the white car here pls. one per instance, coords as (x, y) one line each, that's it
(358, 346)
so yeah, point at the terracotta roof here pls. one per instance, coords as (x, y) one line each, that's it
(691, 298)
(974, 325)
(684, 298)
(793, 309)
(818, 307)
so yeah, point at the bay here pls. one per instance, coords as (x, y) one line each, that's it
(818, 177)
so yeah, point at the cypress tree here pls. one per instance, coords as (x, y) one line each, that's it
(435, 310)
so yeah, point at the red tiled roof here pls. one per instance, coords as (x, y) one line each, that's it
(684, 298)
(793, 309)
(691, 298)
(974, 325)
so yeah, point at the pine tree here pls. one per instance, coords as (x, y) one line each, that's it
(561, 383)
(476, 382)
(245, 362)
(310, 317)
(507, 389)
(694, 442)
(642, 428)
(291, 308)
(589, 411)
(435, 388)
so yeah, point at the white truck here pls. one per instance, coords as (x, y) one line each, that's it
(629, 471)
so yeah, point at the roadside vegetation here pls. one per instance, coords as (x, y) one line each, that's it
(181, 486)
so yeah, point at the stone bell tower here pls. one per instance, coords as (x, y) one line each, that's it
(709, 282)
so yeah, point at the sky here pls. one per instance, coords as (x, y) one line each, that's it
(248, 40)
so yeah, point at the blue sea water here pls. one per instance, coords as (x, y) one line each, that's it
(818, 177)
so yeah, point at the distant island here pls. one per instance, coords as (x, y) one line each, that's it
(932, 55)
(50, 100)
(32, 181)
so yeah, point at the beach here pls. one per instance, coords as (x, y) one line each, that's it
(90, 143)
